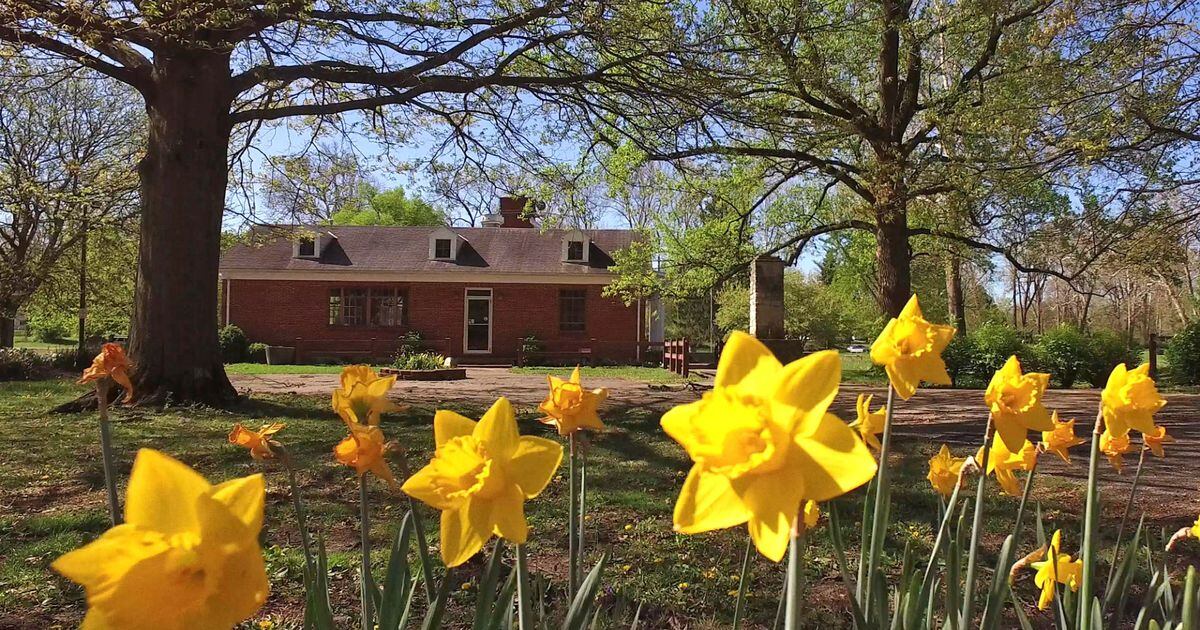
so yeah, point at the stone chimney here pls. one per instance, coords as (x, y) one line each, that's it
(766, 298)
(511, 209)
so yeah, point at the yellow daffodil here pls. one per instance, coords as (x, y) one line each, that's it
(1056, 568)
(1015, 402)
(869, 423)
(110, 363)
(259, 442)
(910, 350)
(186, 557)
(570, 407)
(1155, 439)
(1196, 528)
(763, 442)
(1130, 400)
(944, 470)
(481, 474)
(1004, 464)
(362, 396)
(1115, 447)
(812, 514)
(1060, 440)
(364, 450)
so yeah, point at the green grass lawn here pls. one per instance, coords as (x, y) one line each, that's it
(51, 487)
(631, 372)
(21, 341)
(263, 368)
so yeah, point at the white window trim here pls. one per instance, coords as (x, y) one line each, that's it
(491, 299)
(444, 234)
(579, 236)
(318, 239)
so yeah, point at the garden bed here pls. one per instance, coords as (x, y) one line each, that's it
(441, 374)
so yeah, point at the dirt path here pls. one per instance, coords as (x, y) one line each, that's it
(955, 417)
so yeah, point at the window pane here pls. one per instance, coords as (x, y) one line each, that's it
(354, 307)
(386, 307)
(335, 307)
(571, 304)
(441, 248)
(307, 247)
(575, 250)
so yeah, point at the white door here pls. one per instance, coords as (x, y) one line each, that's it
(477, 338)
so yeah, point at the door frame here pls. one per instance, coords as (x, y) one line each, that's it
(467, 297)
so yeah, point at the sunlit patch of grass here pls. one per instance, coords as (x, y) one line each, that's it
(629, 372)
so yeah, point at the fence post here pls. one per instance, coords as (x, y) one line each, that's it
(1153, 355)
(685, 358)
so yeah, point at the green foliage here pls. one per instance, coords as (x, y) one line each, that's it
(235, 347)
(635, 277)
(52, 327)
(1106, 349)
(256, 353)
(813, 312)
(1063, 351)
(388, 207)
(959, 356)
(1183, 355)
(20, 364)
(993, 344)
(411, 342)
(418, 361)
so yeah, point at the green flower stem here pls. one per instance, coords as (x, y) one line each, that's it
(572, 521)
(106, 452)
(1000, 585)
(1091, 521)
(298, 506)
(743, 584)
(879, 520)
(364, 529)
(1137, 478)
(525, 619)
(968, 607)
(794, 612)
(947, 514)
(581, 519)
(419, 530)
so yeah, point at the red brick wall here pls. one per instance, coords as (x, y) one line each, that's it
(296, 313)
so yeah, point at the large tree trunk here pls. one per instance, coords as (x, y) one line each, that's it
(173, 342)
(892, 260)
(8, 330)
(954, 293)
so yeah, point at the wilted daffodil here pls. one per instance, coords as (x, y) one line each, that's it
(110, 363)
(186, 557)
(1060, 440)
(481, 474)
(1004, 463)
(364, 450)
(910, 350)
(763, 443)
(1130, 400)
(1015, 402)
(1056, 568)
(1115, 447)
(570, 407)
(1155, 439)
(869, 423)
(259, 442)
(362, 396)
(944, 470)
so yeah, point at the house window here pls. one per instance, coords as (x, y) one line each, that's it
(306, 247)
(574, 250)
(571, 309)
(441, 248)
(362, 307)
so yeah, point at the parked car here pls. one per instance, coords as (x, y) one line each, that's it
(856, 348)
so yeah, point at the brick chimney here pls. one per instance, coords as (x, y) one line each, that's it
(511, 209)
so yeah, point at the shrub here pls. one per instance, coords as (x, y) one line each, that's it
(1105, 350)
(1183, 355)
(52, 329)
(234, 345)
(256, 353)
(993, 343)
(530, 344)
(959, 356)
(1063, 351)
(411, 343)
(19, 364)
(69, 359)
(418, 361)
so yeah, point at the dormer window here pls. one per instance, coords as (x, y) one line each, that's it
(307, 248)
(575, 245)
(443, 248)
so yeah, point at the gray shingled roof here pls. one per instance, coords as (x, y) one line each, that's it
(378, 248)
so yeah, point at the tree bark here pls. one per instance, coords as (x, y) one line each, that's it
(954, 293)
(173, 341)
(893, 264)
(8, 331)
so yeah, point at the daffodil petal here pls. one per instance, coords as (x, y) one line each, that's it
(831, 460)
(747, 362)
(244, 497)
(422, 486)
(158, 480)
(533, 464)
(677, 421)
(1012, 434)
(901, 380)
(774, 502)
(464, 530)
(806, 387)
(448, 425)
(508, 516)
(498, 429)
(708, 502)
(102, 561)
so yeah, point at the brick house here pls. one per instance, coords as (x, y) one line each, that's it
(350, 292)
